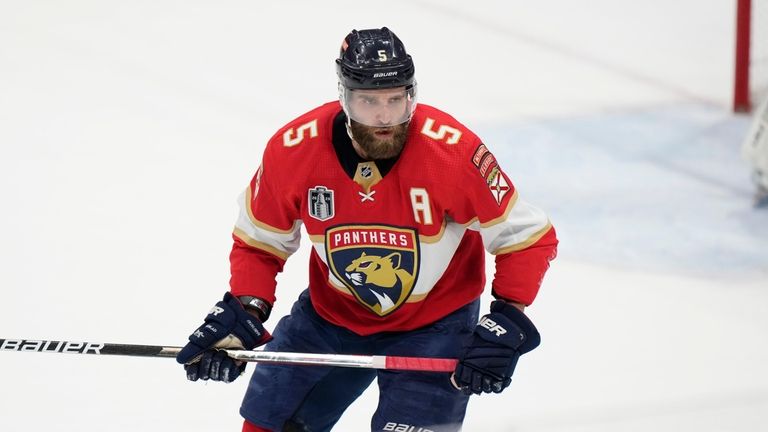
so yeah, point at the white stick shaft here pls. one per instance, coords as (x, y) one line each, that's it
(342, 360)
(426, 364)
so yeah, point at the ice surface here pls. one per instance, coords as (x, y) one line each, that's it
(127, 130)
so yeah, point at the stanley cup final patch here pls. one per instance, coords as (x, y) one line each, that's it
(321, 205)
(378, 263)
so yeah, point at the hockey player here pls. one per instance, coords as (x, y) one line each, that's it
(400, 203)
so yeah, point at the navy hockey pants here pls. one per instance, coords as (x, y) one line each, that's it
(313, 398)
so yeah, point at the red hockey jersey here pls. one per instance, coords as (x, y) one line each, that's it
(392, 252)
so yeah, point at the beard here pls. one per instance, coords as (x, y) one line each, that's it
(379, 146)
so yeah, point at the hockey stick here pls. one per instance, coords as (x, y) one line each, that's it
(425, 364)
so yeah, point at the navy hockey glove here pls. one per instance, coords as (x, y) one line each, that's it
(499, 339)
(227, 325)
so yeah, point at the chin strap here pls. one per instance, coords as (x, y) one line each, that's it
(348, 125)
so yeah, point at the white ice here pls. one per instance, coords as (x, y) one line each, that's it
(127, 130)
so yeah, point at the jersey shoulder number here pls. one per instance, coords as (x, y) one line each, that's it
(306, 127)
(439, 131)
(295, 135)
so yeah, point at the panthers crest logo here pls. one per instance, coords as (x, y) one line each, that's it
(378, 264)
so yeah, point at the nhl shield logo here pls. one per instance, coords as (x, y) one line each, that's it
(366, 171)
(321, 203)
(379, 264)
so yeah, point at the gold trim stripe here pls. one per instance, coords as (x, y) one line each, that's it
(434, 238)
(320, 238)
(502, 218)
(343, 290)
(258, 223)
(415, 298)
(498, 220)
(522, 245)
(259, 245)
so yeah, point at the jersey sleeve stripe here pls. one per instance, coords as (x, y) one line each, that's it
(281, 243)
(522, 245)
(510, 204)
(245, 202)
(523, 225)
(260, 245)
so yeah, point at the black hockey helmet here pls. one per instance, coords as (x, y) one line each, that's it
(371, 61)
(374, 58)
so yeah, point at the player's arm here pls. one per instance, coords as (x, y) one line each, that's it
(265, 235)
(524, 242)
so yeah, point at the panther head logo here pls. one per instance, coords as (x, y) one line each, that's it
(377, 264)
(383, 278)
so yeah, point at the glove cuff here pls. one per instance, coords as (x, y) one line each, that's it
(246, 327)
(507, 325)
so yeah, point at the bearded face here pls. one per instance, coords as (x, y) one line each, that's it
(379, 142)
